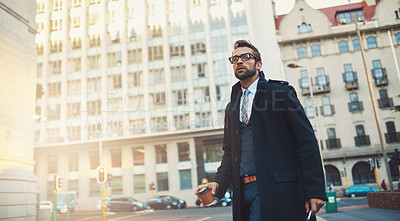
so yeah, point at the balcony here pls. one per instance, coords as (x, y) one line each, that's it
(362, 140)
(392, 137)
(322, 84)
(350, 80)
(385, 103)
(327, 110)
(333, 143)
(355, 106)
(380, 76)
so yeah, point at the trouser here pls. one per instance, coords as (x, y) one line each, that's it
(251, 202)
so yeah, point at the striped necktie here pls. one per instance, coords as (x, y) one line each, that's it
(245, 105)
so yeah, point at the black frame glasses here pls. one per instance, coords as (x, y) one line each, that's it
(244, 57)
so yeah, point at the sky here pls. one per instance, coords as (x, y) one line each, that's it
(285, 6)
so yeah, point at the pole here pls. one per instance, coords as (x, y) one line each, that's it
(347, 181)
(38, 209)
(55, 206)
(68, 202)
(376, 179)
(100, 149)
(316, 122)
(102, 201)
(371, 92)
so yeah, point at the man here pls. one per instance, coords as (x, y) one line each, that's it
(271, 156)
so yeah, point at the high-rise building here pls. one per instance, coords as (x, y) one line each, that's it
(148, 80)
(324, 43)
(17, 105)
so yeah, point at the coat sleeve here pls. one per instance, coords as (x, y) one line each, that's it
(224, 172)
(307, 146)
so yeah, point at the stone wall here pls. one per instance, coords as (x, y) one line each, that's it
(384, 200)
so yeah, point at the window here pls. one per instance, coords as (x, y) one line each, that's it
(315, 50)
(156, 76)
(162, 181)
(198, 48)
(178, 73)
(321, 78)
(304, 83)
(378, 73)
(392, 136)
(52, 166)
(356, 44)
(53, 112)
(309, 107)
(201, 70)
(134, 56)
(177, 50)
(94, 107)
(348, 73)
(304, 28)
(94, 159)
(183, 150)
(383, 94)
(332, 175)
(116, 185)
(326, 106)
(161, 153)
(138, 156)
(54, 89)
(397, 38)
(385, 101)
(360, 130)
(116, 158)
(353, 97)
(302, 52)
(213, 152)
(362, 174)
(73, 162)
(134, 79)
(159, 98)
(371, 41)
(185, 179)
(73, 110)
(155, 53)
(343, 46)
(180, 97)
(346, 17)
(94, 187)
(390, 127)
(331, 133)
(139, 183)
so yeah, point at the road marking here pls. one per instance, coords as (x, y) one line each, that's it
(320, 218)
(87, 218)
(206, 218)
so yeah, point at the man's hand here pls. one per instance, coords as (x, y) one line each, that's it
(212, 185)
(315, 204)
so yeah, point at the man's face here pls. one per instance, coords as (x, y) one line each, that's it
(245, 69)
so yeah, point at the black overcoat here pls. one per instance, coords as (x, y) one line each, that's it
(288, 162)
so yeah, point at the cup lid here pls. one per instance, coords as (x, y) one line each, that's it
(203, 190)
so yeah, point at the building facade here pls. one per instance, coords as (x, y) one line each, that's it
(324, 43)
(17, 105)
(148, 80)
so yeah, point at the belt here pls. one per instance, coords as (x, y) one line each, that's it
(249, 179)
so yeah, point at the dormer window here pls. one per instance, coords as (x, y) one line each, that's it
(347, 17)
(304, 27)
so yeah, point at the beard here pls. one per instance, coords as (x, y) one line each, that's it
(249, 73)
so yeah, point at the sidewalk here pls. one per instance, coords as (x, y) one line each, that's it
(360, 214)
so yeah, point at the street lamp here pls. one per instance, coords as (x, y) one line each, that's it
(314, 112)
(371, 92)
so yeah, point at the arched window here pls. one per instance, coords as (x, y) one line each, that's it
(362, 173)
(356, 44)
(302, 52)
(332, 175)
(315, 50)
(343, 47)
(394, 170)
(304, 27)
(371, 41)
(397, 38)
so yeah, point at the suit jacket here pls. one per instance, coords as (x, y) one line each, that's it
(288, 162)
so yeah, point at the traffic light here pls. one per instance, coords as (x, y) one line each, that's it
(204, 181)
(378, 163)
(109, 177)
(343, 173)
(153, 186)
(101, 175)
(371, 162)
(58, 183)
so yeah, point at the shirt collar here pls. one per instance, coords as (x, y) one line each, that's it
(253, 87)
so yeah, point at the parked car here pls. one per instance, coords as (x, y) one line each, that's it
(359, 190)
(46, 205)
(165, 202)
(125, 204)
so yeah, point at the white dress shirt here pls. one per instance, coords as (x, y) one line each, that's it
(253, 89)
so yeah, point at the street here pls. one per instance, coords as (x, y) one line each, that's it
(191, 214)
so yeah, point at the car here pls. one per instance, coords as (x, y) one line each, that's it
(358, 190)
(46, 205)
(125, 204)
(165, 202)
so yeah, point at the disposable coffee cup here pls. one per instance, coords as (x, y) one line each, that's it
(206, 195)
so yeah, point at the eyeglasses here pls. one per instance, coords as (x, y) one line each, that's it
(244, 57)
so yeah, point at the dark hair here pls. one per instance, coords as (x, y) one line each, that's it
(245, 43)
